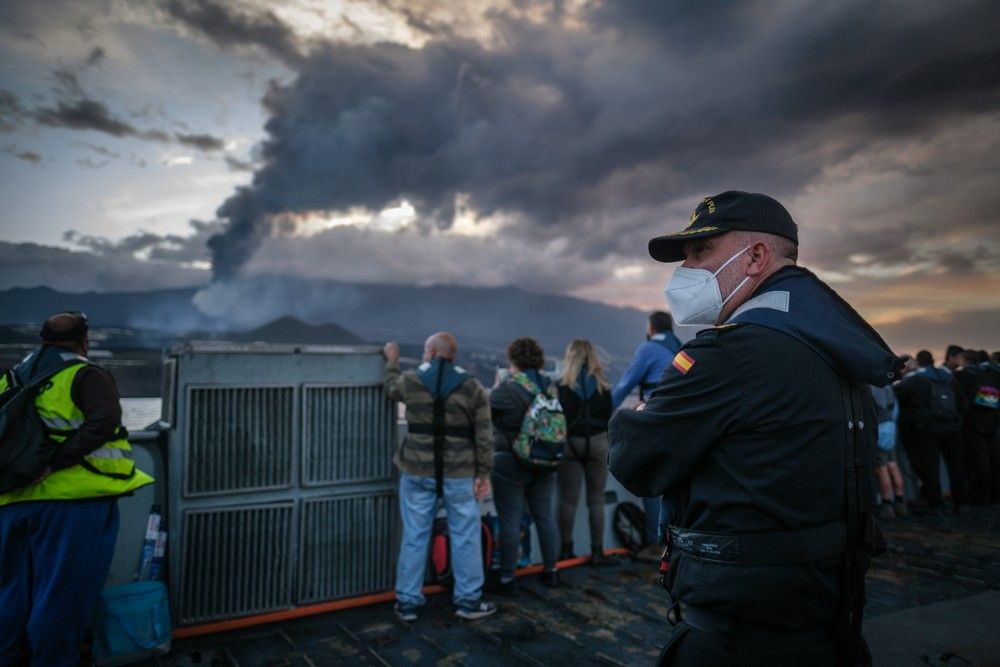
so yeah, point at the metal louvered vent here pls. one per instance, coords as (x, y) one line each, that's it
(237, 561)
(349, 434)
(239, 439)
(349, 546)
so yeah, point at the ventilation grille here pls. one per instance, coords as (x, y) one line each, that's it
(349, 435)
(236, 562)
(349, 546)
(239, 439)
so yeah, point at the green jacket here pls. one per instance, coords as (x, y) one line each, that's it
(467, 406)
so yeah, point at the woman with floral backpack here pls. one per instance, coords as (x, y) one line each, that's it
(529, 434)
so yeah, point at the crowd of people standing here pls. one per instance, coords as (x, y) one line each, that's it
(947, 412)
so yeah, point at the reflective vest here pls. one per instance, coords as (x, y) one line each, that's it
(107, 471)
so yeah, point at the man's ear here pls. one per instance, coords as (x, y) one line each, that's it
(760, 258)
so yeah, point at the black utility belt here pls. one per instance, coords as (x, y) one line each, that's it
(779, 548)
(740, 629)
(465, 432)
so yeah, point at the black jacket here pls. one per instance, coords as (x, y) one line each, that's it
(749, 432)
(582, 422)
(915, 408)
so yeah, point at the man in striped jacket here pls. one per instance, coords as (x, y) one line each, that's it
(447, 455)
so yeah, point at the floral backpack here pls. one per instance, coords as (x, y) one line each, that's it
(541, 443)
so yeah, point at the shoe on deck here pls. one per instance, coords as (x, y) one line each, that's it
(601, 559)
(474, 609)
(551, 579)
(406, 612)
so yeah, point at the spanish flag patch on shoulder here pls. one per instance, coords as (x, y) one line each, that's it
(683, 362)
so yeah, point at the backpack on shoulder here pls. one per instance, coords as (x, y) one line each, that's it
(541, 443)
(25, 446)
(943, 404)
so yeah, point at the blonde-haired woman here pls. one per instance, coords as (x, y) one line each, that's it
(586, 399)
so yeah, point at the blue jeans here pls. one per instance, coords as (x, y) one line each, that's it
(651, 508)
(54, 558)
(418, 504)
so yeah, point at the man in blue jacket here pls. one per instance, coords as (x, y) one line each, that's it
(651, 360)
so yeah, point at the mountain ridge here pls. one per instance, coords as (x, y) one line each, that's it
(483, 317)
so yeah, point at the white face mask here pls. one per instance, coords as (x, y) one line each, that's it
(694, 295)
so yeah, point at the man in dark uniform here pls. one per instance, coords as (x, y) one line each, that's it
(763, 432)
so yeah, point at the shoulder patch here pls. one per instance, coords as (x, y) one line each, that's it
(683, 362)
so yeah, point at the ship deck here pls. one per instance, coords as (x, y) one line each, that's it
(934, 598)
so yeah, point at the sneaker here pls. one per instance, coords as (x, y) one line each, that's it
(600, 559)
(885, 512)
(473, 609)
(406, 612)
(551, 579)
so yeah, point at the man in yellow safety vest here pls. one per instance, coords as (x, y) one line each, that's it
(58, 532)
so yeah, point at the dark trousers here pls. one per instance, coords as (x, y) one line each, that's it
(590, 466)
(512, 486)
(994, 456)
(692, 647)
(925, 451)
(977, 458)
(54, 559)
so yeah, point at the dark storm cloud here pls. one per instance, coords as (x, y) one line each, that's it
(31, 265)
(235, 164)
(95, 57)
(77, 111)
(88, 114)
(31, 157)
(89, 163)
(564, 129)
(11, 112)
(203, 142)
(229, 27)
(170, 249)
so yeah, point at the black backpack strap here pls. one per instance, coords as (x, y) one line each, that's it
(439, 434)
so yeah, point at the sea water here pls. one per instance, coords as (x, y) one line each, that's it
(138, 413)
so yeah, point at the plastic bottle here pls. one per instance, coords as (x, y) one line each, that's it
(149, 544)
(159, 553)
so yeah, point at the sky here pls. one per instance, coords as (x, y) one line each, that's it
(174, 143)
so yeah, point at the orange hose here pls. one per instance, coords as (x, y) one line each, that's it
(348, 603)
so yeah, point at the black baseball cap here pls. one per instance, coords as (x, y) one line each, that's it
(727, 212)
